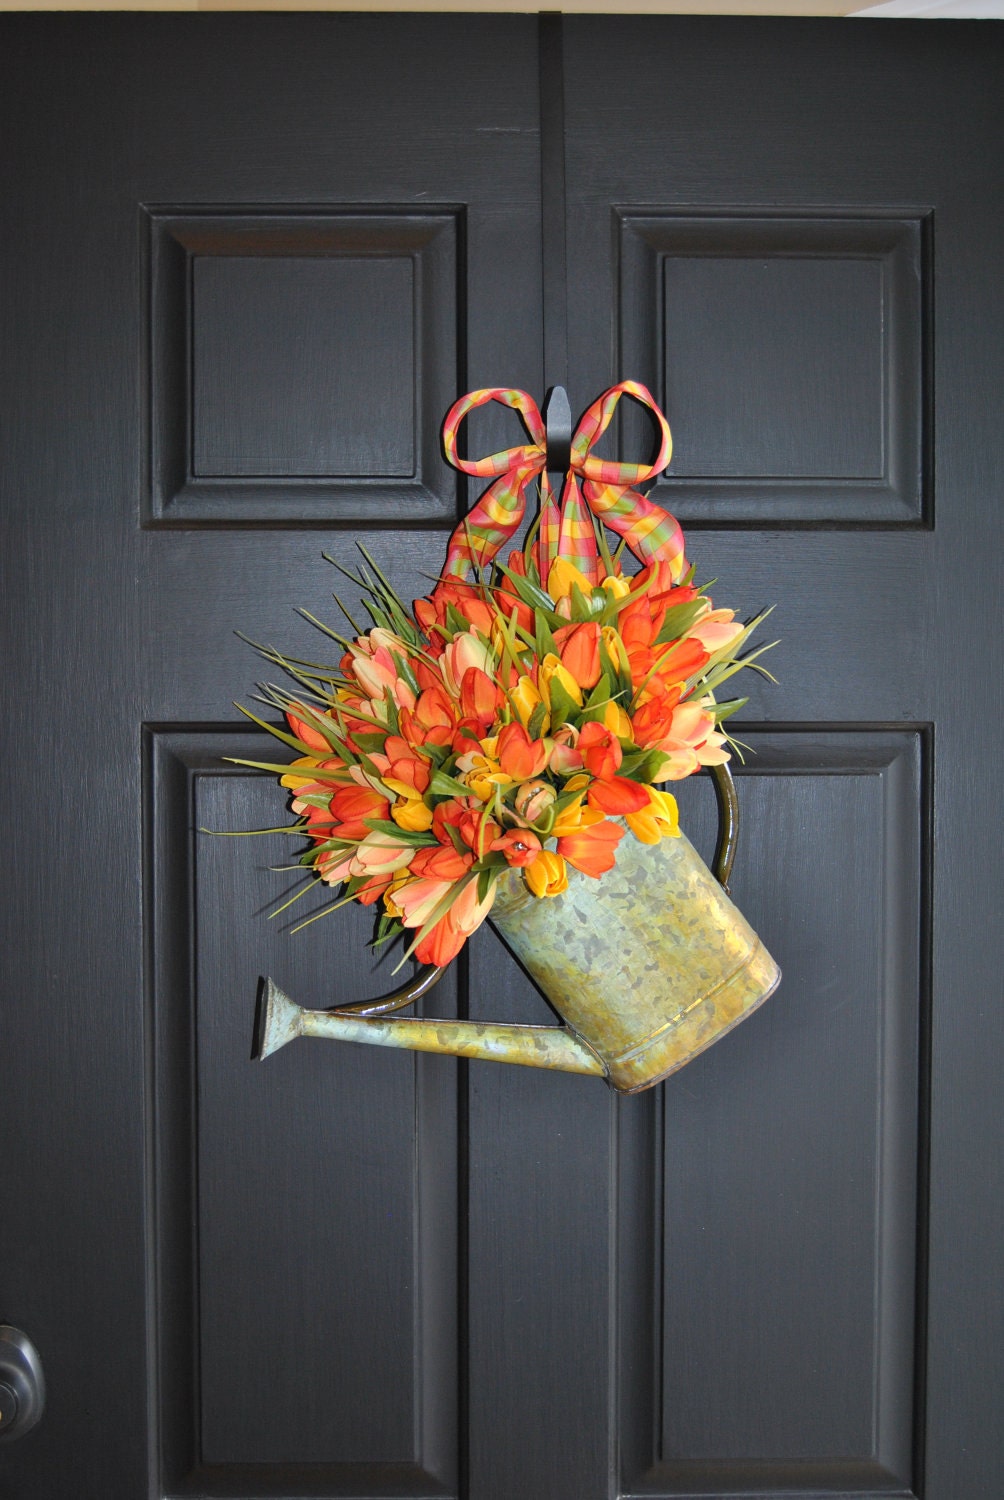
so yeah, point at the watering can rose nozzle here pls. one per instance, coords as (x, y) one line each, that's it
(276, 1021)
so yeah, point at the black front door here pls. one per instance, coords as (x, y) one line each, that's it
(248, 264)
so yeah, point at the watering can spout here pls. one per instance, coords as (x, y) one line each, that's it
(645, 971)
(280, 1020)
(276, 1022)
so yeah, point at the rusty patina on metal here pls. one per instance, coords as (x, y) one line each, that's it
(647, 967)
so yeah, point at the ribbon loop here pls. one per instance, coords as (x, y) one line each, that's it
(509, 458)
(606, 493)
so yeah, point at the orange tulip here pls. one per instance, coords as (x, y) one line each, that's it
(440, 863)
(579, 647)
(519, 846)
(682, 660)
(600, 750)
(351, 804)
(480, 698)
(651, 722)
(433, 719)
(617, 796)
(305, 732)
(518, 755)
(444, 942)
(593, 850)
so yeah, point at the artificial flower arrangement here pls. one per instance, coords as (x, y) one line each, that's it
(523, 717)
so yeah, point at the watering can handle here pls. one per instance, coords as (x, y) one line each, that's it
(725, 853)
(728, 824)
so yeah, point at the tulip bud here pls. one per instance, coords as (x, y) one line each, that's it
(533, 799)
(547, 874)
(412, 814)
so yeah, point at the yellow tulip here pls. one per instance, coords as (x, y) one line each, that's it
(525, 697)
(552, 668)
(412, 814)
(547, 875)
(619, 587)
(660, 818)
(617, 721)
(292, 780)
(482, 774)
(574, 818)
(562, 576)
(615, 648)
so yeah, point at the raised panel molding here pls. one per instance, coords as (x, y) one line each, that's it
(790, 352)
(272, 400)
(771, 1288)
(303, 1276)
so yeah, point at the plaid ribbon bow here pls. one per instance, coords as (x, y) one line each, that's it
(593, 487)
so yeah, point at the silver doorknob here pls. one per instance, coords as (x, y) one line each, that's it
(22, 1384)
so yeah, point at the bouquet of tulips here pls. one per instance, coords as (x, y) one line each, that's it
(503, 724)
(526, 715)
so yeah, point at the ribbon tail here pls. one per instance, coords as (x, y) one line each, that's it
(549, 531)
(577, 538)
(652, 534)
(489, 524)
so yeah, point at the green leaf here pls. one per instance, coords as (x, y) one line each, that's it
(564, 709)
(536, 724)
(448, 786)
(642, 765)
(403, 835)
(404, 670)
(724, 711)
(316, 773)
(531, 594)
(679, 619)
(621, 680)
(324, 912)
(276, 732)
(544, 639)
(455, 621)
(583, 607)
(600, 695)
(486, 879)
(298, 828)
(453, 834)
(369, 744)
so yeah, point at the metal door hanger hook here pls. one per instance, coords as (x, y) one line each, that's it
(557, 416)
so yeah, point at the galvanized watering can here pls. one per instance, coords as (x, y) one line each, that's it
(646, 966)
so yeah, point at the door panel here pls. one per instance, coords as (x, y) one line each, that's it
(771, 1292)
(253, 266)
(249, 262)
(263, 326)
(781, 236)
